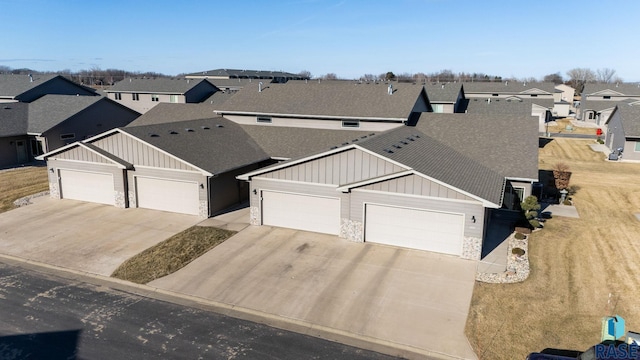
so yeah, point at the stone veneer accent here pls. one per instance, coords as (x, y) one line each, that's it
(132, 200)
(120, 200)
(471, 248)
(253, 215)
(351, 230)
(54, 192)
(203, 209)
(517, 266)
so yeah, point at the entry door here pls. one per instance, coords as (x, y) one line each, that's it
(21, 149)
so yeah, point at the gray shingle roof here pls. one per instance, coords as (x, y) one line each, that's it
(291, 142)
(326, 99)
(432, 158)
(506, 87)
(631, 89)
(630, 116)
(156, 85)
(13, 119)
(443, 92)
(13, 85)
(216, 149)
(597, 105)
(507, 144)
(167, 113)
(50, 110)
(237, 73)
(505, 106)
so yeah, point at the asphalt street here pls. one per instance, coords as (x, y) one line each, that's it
(44, 316)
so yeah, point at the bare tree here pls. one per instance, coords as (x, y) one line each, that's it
(305, 74)
(329, 76)
(605, 75)
(580, 76)
(405, 77)
(368, 77)
(554, 78)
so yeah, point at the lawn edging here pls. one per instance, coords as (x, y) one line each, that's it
(517, 266)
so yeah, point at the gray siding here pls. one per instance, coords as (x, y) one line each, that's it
(8, 150)
(199, 92)
(342, 168)
(80, 154)
(630, 152)
(225, 190)
(417, 185)
(360, 197)
(138, 153)
(56, 164)
(615, 132)
(297, 188)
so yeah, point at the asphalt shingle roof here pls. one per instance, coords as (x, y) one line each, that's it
(50, 110)
(597, 105)
(423, 153)
(237, 73)
(13, 119)
(631, 89)
(13, 85)
(222, 147)
(630, 116)
(156, 85)
(326, 99)
(443, 92)
(505, 106)
(506, 87)
(167, 113)
(507, 144)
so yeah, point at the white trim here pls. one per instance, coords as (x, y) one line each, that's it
(88, 162)
(521, 179)
(421, 196)
(260, 191)
(280, 158)
(303, 116)
(374, 180)
(297, 182)
(168, 169)
(163, 178)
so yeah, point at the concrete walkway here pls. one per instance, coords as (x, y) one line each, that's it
(560, 210)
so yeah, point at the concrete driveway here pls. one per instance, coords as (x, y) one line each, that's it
(415, 299)
(84, 236)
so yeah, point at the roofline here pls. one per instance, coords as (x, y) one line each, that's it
(326, 117)
(521, 179)
(347, 187)
(145, 92)
(84, 146)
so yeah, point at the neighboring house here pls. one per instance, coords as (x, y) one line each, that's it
(610, 92)
(221, 74)
(597, 111)
(327, 105)
(539, 108)
(623, 130)
(52, 121)
(27, 88)
(564, 93)
(429, 187)
(446, 97)
(507, 89)
(184, 167)
(143, 94)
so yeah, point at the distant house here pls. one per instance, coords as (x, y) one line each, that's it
(610, 92)
(623, 130)
(222, 74)
(143, 94)
(565, 93)
(507, 89)
(27, 88)
(31, 129)
(327, 105)
(597, 111)
(539, 108)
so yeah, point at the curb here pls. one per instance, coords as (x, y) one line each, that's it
(280, 322)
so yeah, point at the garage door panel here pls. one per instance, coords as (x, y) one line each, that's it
(301, 211)
(414, 228)
(87, 186)
(167, 195)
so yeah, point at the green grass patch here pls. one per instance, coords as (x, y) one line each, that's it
(171, 255)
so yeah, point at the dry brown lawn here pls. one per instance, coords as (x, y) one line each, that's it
(575, 265)
(19, 182)
(561, 127)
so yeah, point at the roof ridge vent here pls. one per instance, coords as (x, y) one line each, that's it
(189, 130)
(219, 126)
(205, 127)
(154, 135)
(388, 151)
(173, 132)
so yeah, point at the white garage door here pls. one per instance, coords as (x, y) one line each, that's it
(167, 195)
(415, 229)
(302, 212)
(87, 186)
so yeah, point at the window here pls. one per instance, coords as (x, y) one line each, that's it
(264, 119)
(534, 95)
(350, 123)
(118, 96)
(36, 147)
(173, 98)
(607, 97)
(155, 97)
(438, 108)
(637, 149)
(519, 193)
(135, 96)
(495, 94)
(67, 136)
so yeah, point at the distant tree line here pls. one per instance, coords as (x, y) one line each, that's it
(95, 76)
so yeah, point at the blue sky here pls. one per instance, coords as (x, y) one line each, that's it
(513, 38)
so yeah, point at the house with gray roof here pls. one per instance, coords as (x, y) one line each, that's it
(596, 111)
(623, 130)
(327, 105)
(610, 92)
(142, 94)
(27, 88)
(446, 97)
(222, 74)
(31, 129)
(539, 108)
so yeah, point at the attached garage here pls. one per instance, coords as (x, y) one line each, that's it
(414, 228)
(167, 195)
(87, 186)
(301, 211)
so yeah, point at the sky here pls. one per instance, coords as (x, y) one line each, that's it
(509, 38)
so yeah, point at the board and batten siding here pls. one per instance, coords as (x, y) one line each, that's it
(138, 153)
(416, 185)
(342, 168)
(359, 197)
(259, 184)
(81, 154)
(56, 164)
